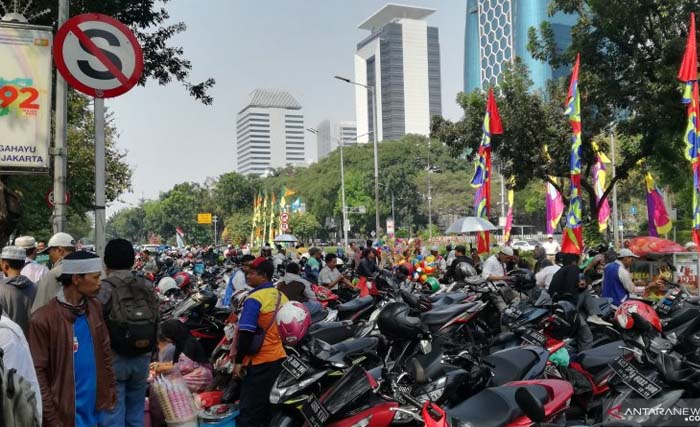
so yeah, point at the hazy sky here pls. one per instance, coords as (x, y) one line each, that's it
(295, 45)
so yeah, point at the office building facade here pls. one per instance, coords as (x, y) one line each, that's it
(496, 32)
(401, 60)
(270, 133)
(328, 135)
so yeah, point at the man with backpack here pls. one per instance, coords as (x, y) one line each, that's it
(131, 314)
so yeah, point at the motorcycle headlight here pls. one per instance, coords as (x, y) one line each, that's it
(280, 394)
(363, 422)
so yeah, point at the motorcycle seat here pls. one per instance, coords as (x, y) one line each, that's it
(318, 316)
(443, 314)
(600, 356)
(339, 352)
(448, 299)
(494, 407)
(356, 305)
(511, 364)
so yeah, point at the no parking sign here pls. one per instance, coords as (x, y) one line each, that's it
(98, 55)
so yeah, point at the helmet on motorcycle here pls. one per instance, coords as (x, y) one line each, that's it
(395, 323)
(432, 284)
(205, 297)
(167, 284)
(464, 270)
(634, 314)
(564, 321)
(293, 320)
(402, 272)
(182, 279)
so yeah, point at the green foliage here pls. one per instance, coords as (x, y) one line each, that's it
(128, 224)
(304, 225)
(237, 230)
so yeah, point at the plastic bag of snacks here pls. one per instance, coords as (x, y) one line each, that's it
(174, 397)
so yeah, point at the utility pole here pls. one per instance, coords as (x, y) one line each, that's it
(377, 221)
(430, 198)
(215, 220)
(59, 146)
(503, 190)
(616, 240)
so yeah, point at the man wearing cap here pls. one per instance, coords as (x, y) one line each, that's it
(60, 245)
(263, 365)
(617, 280)
(16, 291)
(71, 350)
(551, 247)
(440, 262)
(32, 269)
(494, 270)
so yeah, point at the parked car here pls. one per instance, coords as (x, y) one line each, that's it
(526, 245)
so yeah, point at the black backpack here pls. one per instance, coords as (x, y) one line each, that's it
(132, 316)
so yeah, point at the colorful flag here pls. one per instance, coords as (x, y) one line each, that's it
(555, 207)
(599, 177)
(509, 215)
(296, 205)
(273, 203)
(659, 221)
(482, 174)
(572, 241)
(688, 74)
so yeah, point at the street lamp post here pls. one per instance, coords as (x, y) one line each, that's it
(430, 199)
(374, 131)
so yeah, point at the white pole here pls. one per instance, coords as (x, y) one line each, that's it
(99, 176)
(616, 239)
(376, 162)
(60, 151)
(430, 199)
(342, 195)
(216, 220)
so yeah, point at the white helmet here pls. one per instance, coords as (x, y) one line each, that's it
(166, 284)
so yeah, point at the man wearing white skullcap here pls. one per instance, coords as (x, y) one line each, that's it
(60, 245)
(32, 269)
(16, 291)
(71, 350)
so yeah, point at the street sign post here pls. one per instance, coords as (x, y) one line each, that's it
(100, 57)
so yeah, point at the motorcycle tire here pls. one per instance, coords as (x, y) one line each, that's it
(282, 418)
(232, 392)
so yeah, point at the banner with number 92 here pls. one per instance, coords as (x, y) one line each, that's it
(25, 98)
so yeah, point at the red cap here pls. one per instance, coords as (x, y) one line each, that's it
(257, 261)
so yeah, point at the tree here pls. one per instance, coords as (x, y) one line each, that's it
(237, 228)
(128, 224)
(304, 225)
(234, 192)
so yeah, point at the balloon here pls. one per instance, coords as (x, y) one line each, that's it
(432, 284)
(430, 259)
(423, 278)
(429, 269)
(419, 257)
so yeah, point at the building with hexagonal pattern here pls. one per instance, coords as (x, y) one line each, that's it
(496, 33)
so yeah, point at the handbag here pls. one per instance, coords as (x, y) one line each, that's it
(259, 335)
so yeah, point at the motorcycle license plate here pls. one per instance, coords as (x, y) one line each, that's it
(295, 366)
(534, 337)
(314, 412)
(633, 378)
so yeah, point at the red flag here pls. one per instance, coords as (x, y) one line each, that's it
(689, 66)
(495, 125)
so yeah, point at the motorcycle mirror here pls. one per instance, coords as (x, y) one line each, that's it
(530, 405)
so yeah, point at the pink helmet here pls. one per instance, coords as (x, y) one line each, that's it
(293, 321)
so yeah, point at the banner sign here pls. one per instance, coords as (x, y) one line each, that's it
(25, 98)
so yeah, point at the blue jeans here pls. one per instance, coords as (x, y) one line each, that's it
(313, 306)
(132, 380)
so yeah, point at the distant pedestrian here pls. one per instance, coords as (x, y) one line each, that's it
(32, 269)
(60, 245)
(16, 291)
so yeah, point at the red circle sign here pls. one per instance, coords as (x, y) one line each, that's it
(51, 201)
(98, 55)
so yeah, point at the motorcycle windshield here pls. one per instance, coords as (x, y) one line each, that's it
(184, 307)
(351, 386)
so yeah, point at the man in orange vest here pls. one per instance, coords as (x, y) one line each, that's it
(263, 365)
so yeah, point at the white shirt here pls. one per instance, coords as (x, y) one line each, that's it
(17, 355)
(544, 277)
(33, 270)
(551, 248)
(239, 282)
(625, 277)
(492, 267)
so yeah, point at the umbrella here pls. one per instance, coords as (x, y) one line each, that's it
(286, 238)
(470, 224)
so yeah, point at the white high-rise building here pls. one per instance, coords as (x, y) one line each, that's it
(401, 60)
(270, 133)
(328, 135)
